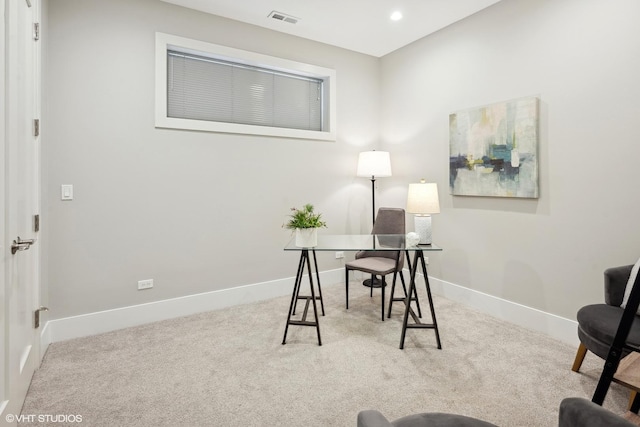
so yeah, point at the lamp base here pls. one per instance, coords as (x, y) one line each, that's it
(422, 224)
(377, 283)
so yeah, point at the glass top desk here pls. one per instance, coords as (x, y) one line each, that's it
(359, 242)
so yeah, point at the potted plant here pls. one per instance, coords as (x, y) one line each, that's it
(305, 223)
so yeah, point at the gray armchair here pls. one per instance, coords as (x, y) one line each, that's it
(373, 418)
(574, 412)
(578, 412)
(598, 323)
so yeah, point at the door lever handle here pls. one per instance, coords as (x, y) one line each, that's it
(21, 245)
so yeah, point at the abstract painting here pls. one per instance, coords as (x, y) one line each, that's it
(494, 150)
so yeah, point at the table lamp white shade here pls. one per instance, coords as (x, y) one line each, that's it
(374, 164)
(422, 201)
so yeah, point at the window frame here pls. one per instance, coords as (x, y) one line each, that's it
(166, 42)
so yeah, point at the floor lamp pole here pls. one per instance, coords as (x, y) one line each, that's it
(376, 283)
(373, 200)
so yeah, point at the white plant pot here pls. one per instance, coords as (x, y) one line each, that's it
(306, 237)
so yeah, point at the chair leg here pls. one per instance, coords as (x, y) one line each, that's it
(373, 279)
(382, 281)
(346, 287)
(393, 292)
(582, 351)
(393, 287)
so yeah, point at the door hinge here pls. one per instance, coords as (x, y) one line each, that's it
(36, 316)
(36, 31)
(36, 127)
(36, 222)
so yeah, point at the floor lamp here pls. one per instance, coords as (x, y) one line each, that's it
(374, 164)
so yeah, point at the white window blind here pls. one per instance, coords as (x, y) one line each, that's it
(202, 88)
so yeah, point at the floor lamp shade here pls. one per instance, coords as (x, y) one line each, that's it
(422, 201)
(374, 164)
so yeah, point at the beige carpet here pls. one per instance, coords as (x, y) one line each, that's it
(229, 368)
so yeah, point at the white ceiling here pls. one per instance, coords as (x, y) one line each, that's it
(360, 25)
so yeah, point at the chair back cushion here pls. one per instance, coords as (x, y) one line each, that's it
(388, 221)
(615, 281)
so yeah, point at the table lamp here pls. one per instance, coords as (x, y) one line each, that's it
(422, 201)
(374, 164)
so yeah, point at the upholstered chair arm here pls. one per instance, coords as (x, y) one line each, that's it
(371, 418)
(579, 412)
(615, 281)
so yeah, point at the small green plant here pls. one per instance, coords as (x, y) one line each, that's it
(305, 218)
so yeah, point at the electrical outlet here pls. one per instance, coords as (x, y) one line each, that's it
(339, 255)
(426, 260)
(145, 284)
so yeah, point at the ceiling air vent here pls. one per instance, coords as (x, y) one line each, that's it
(284, 17)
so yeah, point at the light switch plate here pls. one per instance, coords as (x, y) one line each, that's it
(66, 192)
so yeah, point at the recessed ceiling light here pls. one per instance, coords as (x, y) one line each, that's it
(396, 16)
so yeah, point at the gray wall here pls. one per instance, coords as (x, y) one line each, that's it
(195, 211)
(202, 211)
(580, 57)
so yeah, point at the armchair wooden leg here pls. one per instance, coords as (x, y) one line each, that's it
(632, 398)
(582, 351)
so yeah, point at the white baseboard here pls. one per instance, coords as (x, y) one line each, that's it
(111, 320)
(105, 321)
(45, 340)
(556, 327)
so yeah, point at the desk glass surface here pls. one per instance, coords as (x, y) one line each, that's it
(361, 242)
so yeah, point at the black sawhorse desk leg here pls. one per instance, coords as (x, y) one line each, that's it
(619, 343)
(295, 296)
(319, 296)
(418, 256)
(393, 299)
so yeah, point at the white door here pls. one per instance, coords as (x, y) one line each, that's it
(19, 195)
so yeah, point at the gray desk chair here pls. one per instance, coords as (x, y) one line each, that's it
(574, 412)
(380, 263)
(598, 323)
